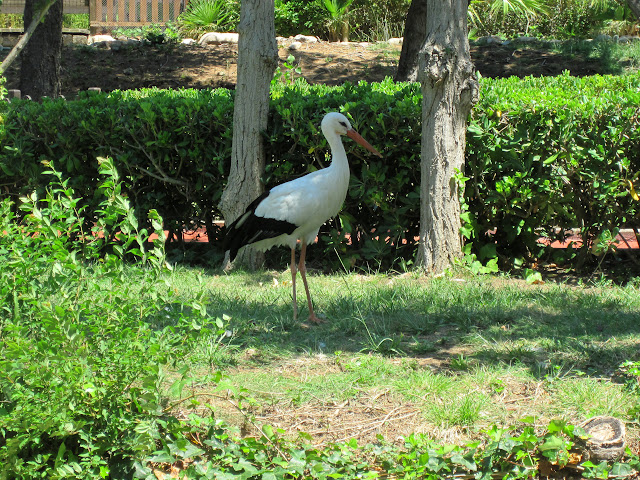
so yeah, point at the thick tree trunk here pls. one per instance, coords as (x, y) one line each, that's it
(415, 31)
(634, 5)
(40, 67)
(257, 61)
(24, 39)
(449, 90)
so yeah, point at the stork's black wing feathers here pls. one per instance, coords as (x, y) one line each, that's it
(249, 228)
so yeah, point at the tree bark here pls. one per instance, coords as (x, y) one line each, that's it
(449, 90)
(634, 5)
(24, 39)
(415, 31)
(257, 61)
(40, 67)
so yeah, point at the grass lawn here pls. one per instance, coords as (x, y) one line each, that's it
(446, 356)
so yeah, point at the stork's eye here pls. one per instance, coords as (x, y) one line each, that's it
(343, 124)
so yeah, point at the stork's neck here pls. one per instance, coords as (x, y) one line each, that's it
(338, 155)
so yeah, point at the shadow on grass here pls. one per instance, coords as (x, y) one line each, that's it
(592, 330)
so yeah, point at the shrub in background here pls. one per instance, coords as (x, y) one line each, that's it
(337, 18)
(558, 19)
(540, 160)
(293, 17)
(380, 218)
(154, 33)
(201, 16)
(171, 148)
(369, 20)
(378, 21)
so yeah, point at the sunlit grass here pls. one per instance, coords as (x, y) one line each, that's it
(466, 351)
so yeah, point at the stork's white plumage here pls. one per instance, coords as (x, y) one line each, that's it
(297, 209)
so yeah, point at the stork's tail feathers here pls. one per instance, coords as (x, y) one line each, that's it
(249, 228)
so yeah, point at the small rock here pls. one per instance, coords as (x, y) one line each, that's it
(217, 38)
(128, 71)
(527, 39)
(100, 39)
(188, 41)
(603, 38)
(306, 39)
(395, 41)
(489, 40)
(295, 46)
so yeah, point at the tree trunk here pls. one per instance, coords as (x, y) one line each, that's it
(634, 5)
(449, 90)
(344, 32)
(24, 39)
(40, 67)
(415, 31)
(257, 61)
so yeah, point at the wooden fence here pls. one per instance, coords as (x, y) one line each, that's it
(69, 6)
(106, 14)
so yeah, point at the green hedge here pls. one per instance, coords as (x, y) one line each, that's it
(541, 153)
(555, 152)
(172, 148)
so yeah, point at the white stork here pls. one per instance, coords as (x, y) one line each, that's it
(297, 209)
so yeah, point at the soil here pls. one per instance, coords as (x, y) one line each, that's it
(211, 66)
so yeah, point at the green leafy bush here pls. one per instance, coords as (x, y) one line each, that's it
(84, 339)
(540, 159)
(203, 16)
(293, 17)
(378, 21)
(369, 20)
(558, 19)
(153, 33)
(171, 149)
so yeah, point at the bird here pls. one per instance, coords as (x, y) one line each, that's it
(294, 211)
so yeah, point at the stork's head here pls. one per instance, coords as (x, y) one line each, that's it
(335, 123)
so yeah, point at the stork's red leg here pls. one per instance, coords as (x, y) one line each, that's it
(303, 271)
(293, 282)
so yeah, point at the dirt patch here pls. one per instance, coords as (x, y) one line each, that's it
(363, 416)
(211, 66)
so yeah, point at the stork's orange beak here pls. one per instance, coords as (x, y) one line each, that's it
(361, 141)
